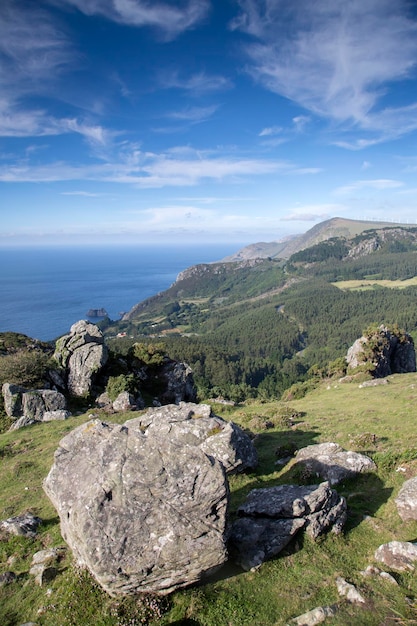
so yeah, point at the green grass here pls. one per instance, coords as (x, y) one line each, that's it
(380, 421)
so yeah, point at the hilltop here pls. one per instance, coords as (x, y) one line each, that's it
(284, 248)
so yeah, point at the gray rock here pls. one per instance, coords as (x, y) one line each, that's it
(32, 404)
(22, 422)
(349, 591)
(50, 416)
(195, 425)
(25, 525)
(12, 396)
(35, 403)
(124, 402)
(406, 500)
(398, 555)
(255, 540)
(391, 353)
(321, 507)
(143, 514)
(82, 354)
(178, 382)
(271, 517)
(332, 463)
(103, 402)
(315, 616)
(43, 573)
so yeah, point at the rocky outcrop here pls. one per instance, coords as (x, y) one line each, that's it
(332, 463)
(36, 405)
(143, 513)
(82, 354)
(178, 383)
(406, 500)
(271, 517)
(384, 351)
(195, 425)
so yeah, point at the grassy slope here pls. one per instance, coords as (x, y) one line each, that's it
(299, 580)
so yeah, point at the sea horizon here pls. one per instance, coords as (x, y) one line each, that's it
(47, 289)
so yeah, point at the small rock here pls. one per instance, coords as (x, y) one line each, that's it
(25, 525)
(398, 555)
(349, 591)
(315, 616)
(371, 570)
(388, 578)
(406, 500)
(61, 414)
(7, 578)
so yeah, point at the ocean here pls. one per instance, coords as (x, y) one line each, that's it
(45, 290)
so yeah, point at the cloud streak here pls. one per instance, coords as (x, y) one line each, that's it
(326, 57)
(169, 19)
(360, 185)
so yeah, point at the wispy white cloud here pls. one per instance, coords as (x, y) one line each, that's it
(300, 122)
(85, 194)
(199, 84)
(377, 185)
(170, 19)
(270, 131)
(326, 56)
(180, 166)
(194, 115)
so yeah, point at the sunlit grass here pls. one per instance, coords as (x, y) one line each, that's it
(380, 421)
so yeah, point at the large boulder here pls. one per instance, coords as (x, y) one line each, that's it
(32, 405)
(270, 517)
(332, 463)
(82, 354)
(195, 425)
(143, 513)
(385, 351)
(406, 500)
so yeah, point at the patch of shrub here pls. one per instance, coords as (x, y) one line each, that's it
(26, 368)
(117, 384)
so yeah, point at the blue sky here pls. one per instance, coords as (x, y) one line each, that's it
(204, 120)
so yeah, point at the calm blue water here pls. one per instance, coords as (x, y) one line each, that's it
(45, 290)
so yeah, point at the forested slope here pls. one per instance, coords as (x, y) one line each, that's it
(255, 327)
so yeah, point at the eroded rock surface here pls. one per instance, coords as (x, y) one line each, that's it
(32, 405)
(142, 512)
(82, 354)
(406, 500)
(195, 425)
(25, 525)
(332, 463)
(398, 555)
(270, 518)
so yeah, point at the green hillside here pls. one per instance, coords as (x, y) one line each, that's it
(379, 421)
(254, 327)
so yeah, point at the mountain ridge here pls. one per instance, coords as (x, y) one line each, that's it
(333, 227)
